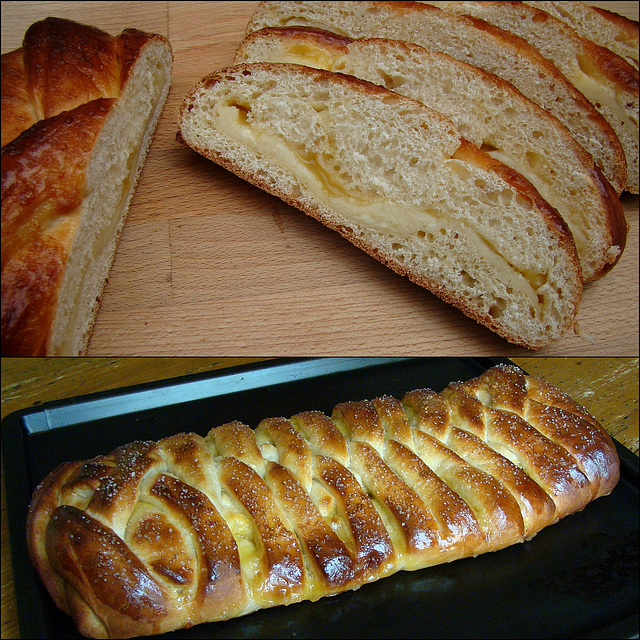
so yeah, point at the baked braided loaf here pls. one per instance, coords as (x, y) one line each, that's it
(163, 535)
(79, 109)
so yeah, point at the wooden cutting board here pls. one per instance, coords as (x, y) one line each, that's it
(210, 265)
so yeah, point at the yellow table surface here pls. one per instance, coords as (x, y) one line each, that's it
(607, 387)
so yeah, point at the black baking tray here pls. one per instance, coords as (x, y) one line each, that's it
(577, 578)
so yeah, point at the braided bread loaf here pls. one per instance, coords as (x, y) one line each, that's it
(79, 109)
(163, 535)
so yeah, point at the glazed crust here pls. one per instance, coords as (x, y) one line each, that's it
(203, 529)
(57, 91)
(61, 65)
(36, 237)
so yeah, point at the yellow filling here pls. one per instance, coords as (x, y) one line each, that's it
(384, 215)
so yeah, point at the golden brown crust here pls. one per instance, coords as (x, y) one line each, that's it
(617, 69)
(64, 64)
(612, 66)
(18, 113)
(616, 220)
(68, 64)
(57, 92)
(329, 40)
(626, 25)
(42, 186)
(87, 555)
(312, 505)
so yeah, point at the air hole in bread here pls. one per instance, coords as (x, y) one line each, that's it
(468, 280)
(487, 147)
(323, 82)
(494, 197)
(386, 79)
(496, 309)
(505, 197)
(524, 202)
(460, 170)
(535, 160)
(391, 82)
(539, 17)
(390, 99)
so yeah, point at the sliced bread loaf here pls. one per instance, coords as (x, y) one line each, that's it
(470, 40)
(606, 28)
(608, 81)
(487, 110)
(84, 106)
(399, 181)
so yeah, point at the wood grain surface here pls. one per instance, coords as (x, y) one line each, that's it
(607, 387)
(209, 265)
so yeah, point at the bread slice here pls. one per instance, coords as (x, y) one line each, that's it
(488, 111)
(398, 180)
(606, 28)
(608, 81)
(87, 104)
(470, 40)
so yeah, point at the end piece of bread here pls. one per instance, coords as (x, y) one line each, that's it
(473, 41)
(488, 111)
(79, 109)
(608, 81)
(606, 28)
(399, 181)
